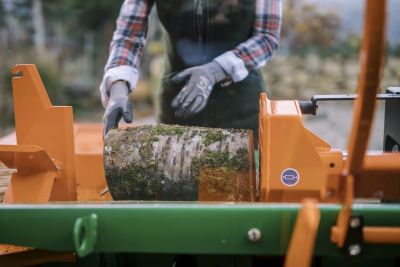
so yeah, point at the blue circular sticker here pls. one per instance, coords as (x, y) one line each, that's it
(290, 177)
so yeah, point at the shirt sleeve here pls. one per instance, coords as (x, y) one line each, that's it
(258, 49)
(127, 45)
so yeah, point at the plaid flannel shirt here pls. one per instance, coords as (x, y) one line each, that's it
(130, 36)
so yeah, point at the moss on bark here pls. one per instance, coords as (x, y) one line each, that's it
(169, 162)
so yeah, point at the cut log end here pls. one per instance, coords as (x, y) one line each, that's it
(169, 162)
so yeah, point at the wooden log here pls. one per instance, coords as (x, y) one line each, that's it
(169, 162)
(5, 176)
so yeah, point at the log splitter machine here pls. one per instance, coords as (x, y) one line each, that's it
(55, 211)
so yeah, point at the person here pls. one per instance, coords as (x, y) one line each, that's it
(214, 50)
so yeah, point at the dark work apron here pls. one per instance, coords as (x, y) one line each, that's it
(197, 31)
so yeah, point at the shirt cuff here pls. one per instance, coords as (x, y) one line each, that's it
(233, 66)
(123, 72)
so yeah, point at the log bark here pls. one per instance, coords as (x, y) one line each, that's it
(169, 162)
(5, 176)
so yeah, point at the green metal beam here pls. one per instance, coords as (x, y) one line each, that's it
(178, 227)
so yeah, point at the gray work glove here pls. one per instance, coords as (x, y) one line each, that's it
(194, 95)
(119, 106)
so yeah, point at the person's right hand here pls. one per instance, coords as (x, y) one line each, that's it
(119, 106)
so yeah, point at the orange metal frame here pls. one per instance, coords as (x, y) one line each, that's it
(38, 123)
(359, 165)
(284, 142)
(55, 159)
(301, 247)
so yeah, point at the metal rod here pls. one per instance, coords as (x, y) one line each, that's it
(311, 106)
(382, 235)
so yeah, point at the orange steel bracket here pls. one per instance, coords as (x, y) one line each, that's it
(371, 67)
(339, 232)
(371, 61)
(358, 164)
(285, 144)
(33, 182)
(89, 152)
(301, 247)
(38, 123)
(381, 235)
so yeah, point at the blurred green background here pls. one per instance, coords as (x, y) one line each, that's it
(68, 40)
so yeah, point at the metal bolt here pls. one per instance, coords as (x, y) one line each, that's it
(396, 149)
(354, 250)
(355, 222)
(254, 235)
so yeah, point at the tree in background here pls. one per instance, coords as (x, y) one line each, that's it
(310, 29)
(395, 50)
(39, 33)
(309, 35)
(58, 36)
(80, 29)
(69, 41)
(346, 50)
(1, 12)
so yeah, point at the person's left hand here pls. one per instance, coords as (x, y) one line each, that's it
(194, 95)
